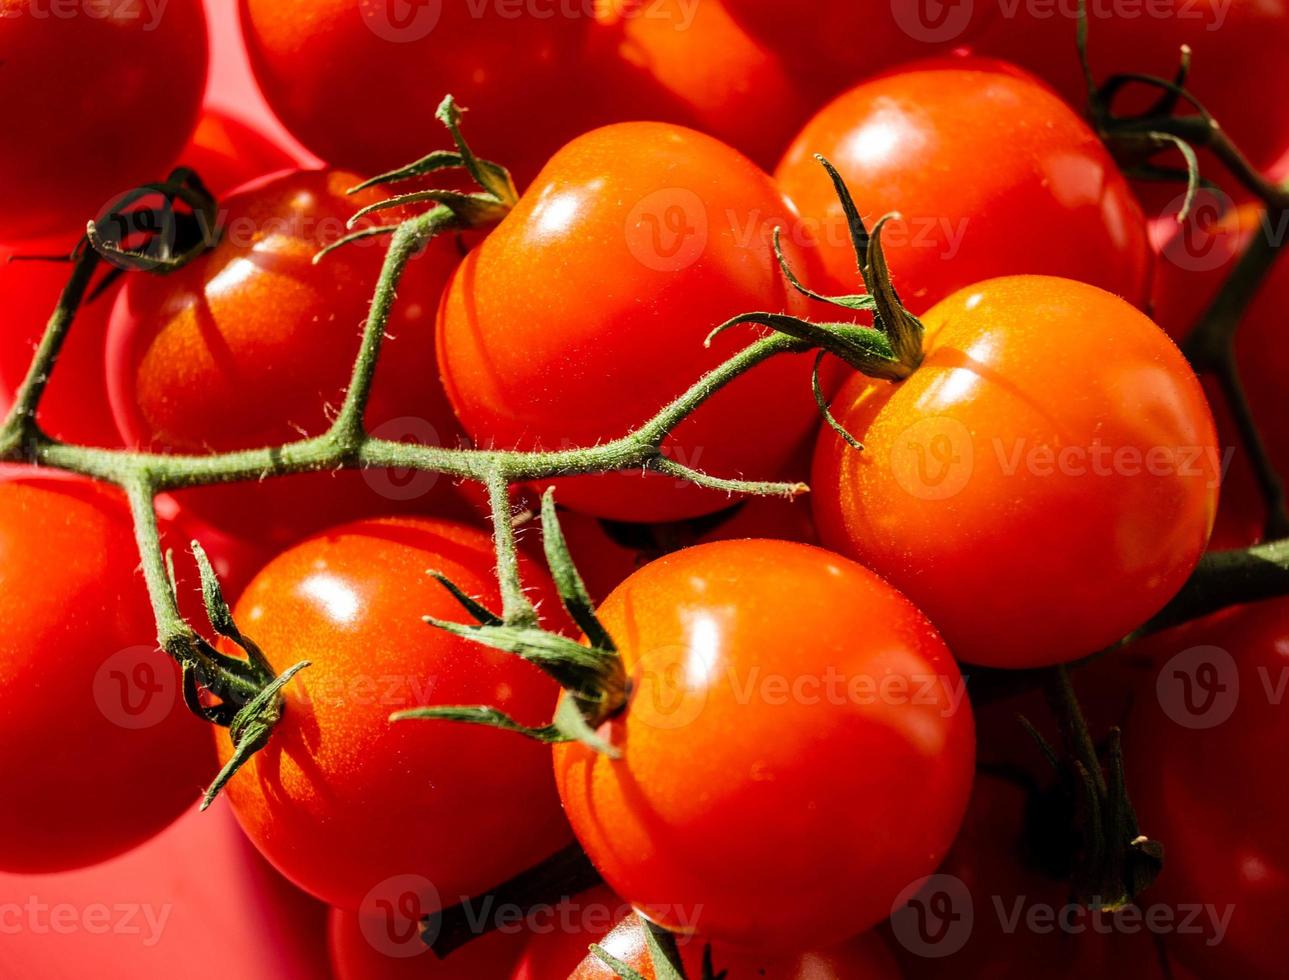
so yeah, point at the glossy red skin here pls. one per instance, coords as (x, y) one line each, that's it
(863, 958)
(253, 345)
(72, 598)
(835, 43)
(225, 153)
(342, 799)
(984, 163)
(1194, 262)
(75, 145)
(1069, 553)
(570, 325)
(1240, 40)
(1210, 795)
(693, 64)
(361, 94)
(726, 835)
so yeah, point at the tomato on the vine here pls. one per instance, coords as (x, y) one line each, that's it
(1194, 260)
(358, 82)
(94, 106)
(673, 61)
(584, 312)
(862, 958)
(357, 809)
(99, 752)
(1236, 70)
(852, 759)
(1041, 485)
(225, 153)
(991, 173)
(1199, 754)
(252, 344)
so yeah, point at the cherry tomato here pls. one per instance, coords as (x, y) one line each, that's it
(835, 43)
(351, 806)
(96, 733)
(854, 751)
(693, 64)
(358, 82)
(863, 958)
(1041, 485)
(1240, 39)
(96, 103)
(584, 312)
(984, 164)
(74, 408)
(1195, 260)
(252, 345)
(1212, 715)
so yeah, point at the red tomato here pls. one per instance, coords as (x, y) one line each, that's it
(92, 712)
(984, 163)
(225, 153)
(1236, 39)
(834, 43)
(97, 103)
(140, 916)
(1212, 717)
(358, 82)
(355, 808)
(1195, 259)
(583, 313)
(863, 958)
(1041, 485)
(692, 63)
(854, 751)
(252, 344)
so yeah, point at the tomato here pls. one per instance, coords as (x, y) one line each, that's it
(993, 175)
(77, 140)
(543, 942)
(358, 82)
(353, 807)
(1195, 260)
(863, 958)
(141, 915)
(584, 312)
(1240, 39)
(91, 712)
(834, 43)
(1212, 716)
(252, 345)
(1054, 447)
(853, 759)
(693, 64)
(225, 153)
(993, 910)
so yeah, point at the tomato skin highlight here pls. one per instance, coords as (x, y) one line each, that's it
(725, 835)
(1210, 718)
(1004, 486)
(253, 345)
(862, 958)
(343, 800)
(985, 164)
(91, 712)
(74, 144)
(581, 315)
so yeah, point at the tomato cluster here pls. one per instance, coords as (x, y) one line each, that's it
(782, 760)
